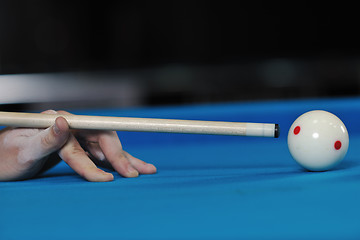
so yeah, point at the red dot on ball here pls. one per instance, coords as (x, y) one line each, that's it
(337, 145)
(297, 130)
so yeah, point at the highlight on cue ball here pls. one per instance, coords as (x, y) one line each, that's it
(318, 140)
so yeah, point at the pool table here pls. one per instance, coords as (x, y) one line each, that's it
(206, 187)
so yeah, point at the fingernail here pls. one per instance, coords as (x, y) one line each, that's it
(56, 129)
(104, 173)
(132, 171)
(151, 166)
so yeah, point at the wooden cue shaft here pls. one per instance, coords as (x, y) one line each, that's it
(40, 120)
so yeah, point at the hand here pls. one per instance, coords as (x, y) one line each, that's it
(25, 152)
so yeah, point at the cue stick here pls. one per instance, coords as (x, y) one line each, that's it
(41, 120)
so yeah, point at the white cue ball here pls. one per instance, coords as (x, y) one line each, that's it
(318, 140)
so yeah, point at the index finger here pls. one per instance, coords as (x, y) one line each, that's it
(77, 159)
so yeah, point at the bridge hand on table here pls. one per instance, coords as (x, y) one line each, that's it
(25, 152)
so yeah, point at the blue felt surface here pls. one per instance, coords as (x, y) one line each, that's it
(207, 187)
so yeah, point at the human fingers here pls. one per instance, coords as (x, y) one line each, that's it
(52, 138)
(73, 154)
(106, 148)
(25, 151)
(141, 166)
(111, 147)
(57, 137)
(35, 147)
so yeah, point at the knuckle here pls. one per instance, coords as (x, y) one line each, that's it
(50, 111)
(64, 112)
(47, 141)
(73, 152)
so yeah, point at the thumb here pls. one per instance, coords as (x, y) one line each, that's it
(53, 138)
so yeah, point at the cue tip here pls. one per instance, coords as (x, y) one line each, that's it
(277, 131)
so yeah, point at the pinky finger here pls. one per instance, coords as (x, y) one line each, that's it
(141, 166)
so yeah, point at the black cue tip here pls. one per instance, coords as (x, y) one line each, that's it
(277, 131)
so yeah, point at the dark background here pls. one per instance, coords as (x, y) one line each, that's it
(190, 51)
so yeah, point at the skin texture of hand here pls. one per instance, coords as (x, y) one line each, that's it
(27, 152)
